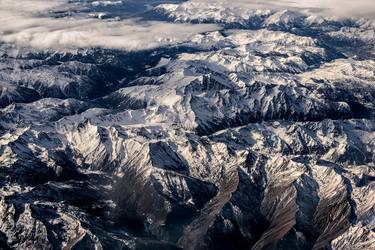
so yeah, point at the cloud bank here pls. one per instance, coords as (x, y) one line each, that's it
(29, 23)
(340, 8)
(26, 23)
(346, 8)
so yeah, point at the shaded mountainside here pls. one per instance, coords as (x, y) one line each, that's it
(258, 136)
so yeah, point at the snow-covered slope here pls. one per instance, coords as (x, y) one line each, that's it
(257, 136)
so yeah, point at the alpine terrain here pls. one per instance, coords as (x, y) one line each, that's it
(234, 127)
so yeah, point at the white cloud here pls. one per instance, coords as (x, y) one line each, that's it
(26, 23)
(348, 8)
(23, 23)
(337, 7)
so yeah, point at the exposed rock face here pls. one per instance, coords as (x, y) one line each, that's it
(259, 138)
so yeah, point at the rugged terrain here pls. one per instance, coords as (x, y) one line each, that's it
(260, 135)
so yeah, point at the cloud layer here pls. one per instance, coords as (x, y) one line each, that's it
(24, 22)
(347, 8)
(341, 8)
(28, 23)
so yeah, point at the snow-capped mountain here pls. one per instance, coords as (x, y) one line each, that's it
(259, 135)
